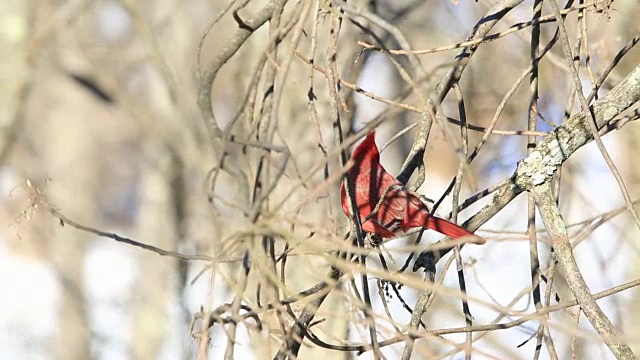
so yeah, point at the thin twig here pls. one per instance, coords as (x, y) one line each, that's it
(536, 316)
(468, 318)
(67, 221)
(531, 144)
(484, 39)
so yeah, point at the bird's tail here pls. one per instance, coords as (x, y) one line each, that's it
(446, 227)
(425, 219)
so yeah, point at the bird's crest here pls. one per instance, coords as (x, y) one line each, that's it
(367, 147)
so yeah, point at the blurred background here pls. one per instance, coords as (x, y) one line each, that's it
(99, 119)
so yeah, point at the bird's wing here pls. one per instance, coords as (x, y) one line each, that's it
(394, 197)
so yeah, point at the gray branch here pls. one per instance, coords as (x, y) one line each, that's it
(534, 175)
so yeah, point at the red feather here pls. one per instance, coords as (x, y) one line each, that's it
(400, 210)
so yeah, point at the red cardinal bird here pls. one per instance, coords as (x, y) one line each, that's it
(400, 210)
